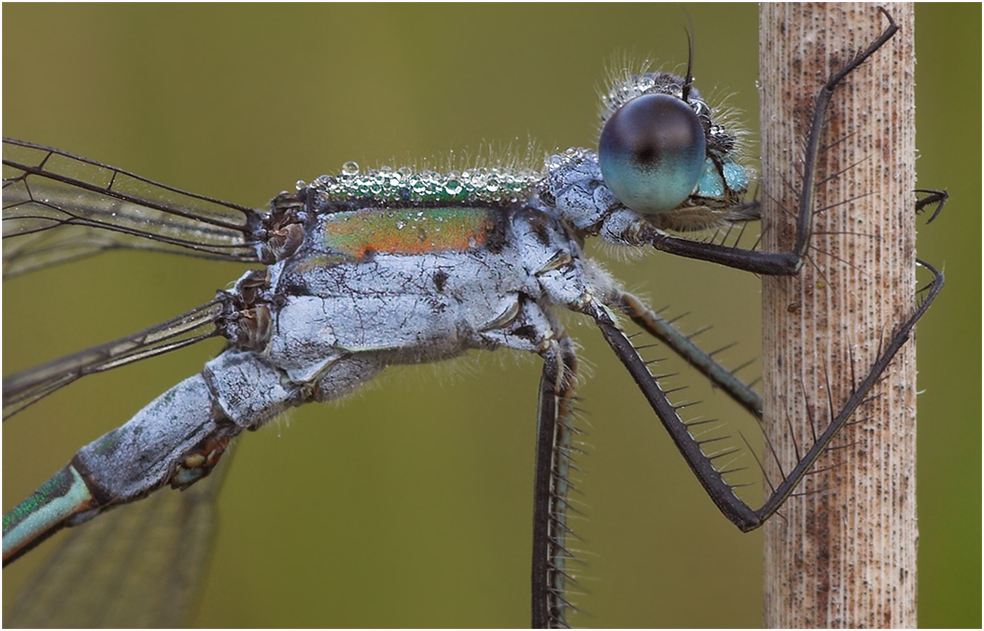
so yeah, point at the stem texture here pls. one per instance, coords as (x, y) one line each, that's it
(843, 555)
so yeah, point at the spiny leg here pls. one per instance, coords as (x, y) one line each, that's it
(702, 466)
(720, 491)
(682, 345)
(704, 361)
(552, 484)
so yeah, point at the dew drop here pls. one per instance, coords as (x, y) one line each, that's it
(350, 168)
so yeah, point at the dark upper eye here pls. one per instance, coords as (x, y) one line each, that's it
(652, 152)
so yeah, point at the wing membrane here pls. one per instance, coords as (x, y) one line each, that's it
(25, 388)
(58, 207)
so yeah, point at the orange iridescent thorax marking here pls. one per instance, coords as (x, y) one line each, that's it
(352, 235)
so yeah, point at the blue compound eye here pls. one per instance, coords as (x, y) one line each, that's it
(652, 153)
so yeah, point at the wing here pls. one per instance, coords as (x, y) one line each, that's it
(140, 565)
(58, 207)
(29, 386)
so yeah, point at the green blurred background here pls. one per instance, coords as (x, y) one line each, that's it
(410, 504)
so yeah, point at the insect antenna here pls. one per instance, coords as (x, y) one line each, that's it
(689, 77)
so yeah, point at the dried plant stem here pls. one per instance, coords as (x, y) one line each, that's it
(844, 555)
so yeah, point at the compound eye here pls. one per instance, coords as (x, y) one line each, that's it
(652, 153)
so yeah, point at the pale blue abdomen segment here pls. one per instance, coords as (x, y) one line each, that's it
(122, 465)
(177, 439)
(141, 454)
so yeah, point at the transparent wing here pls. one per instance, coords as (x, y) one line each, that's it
(138, 566)
(58, 207)
(25, 388)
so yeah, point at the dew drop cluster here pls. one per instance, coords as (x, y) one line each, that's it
(488, 184)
